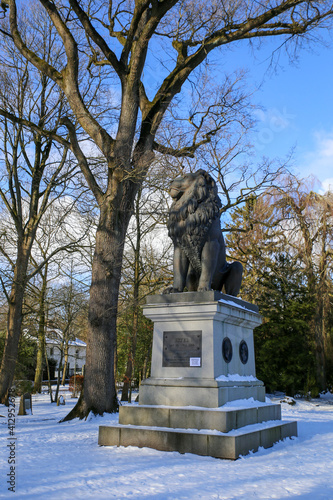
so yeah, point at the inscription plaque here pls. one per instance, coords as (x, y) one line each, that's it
(182, 349)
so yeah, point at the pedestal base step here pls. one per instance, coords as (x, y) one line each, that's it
(223, 420)
(218, 433)
(207, 443)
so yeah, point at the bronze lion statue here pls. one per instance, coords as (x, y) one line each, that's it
(194, 226)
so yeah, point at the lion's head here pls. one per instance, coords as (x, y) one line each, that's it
(196, 205)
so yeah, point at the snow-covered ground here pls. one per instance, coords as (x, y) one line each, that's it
(63, 461)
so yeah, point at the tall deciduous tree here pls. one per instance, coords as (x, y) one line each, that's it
(118, 39)
(34, 173)
(59, 246)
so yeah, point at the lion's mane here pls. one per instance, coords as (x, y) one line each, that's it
(192, 215)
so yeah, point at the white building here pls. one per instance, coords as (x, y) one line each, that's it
(76, 351)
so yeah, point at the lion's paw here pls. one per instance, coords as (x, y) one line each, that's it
(204, 289)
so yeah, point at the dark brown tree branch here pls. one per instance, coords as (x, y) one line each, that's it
(42, 64)
(97, 39)
(32, 126)
(251, 28)
(91, 180)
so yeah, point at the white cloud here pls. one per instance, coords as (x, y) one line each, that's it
(319, 161)
(276, 119)
(327, 185)
(270, 124)
(325, 143)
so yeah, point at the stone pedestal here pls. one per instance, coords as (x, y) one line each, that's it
(203, 352)
(203, 358)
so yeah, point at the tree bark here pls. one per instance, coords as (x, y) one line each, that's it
(319, 345)
(14, 324)
(99, 390)
(322, 293)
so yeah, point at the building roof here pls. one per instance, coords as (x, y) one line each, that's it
(54, 336)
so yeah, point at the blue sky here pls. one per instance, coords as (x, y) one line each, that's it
(295, 96)
(298, 107)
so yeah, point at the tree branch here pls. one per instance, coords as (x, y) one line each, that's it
(92, 183)
(27, 53)
(4, 289)
(251, 28)
(68, 248)
(97, 38)
(68, 78)
(32, 126)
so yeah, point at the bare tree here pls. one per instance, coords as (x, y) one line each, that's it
(61, 247)
(38, 171)
(69, 299)
(119, 39)
(34, 174)
(42, 321)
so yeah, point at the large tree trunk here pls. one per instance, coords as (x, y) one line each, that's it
(14, 324)
(317, 324)
(99, 391)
